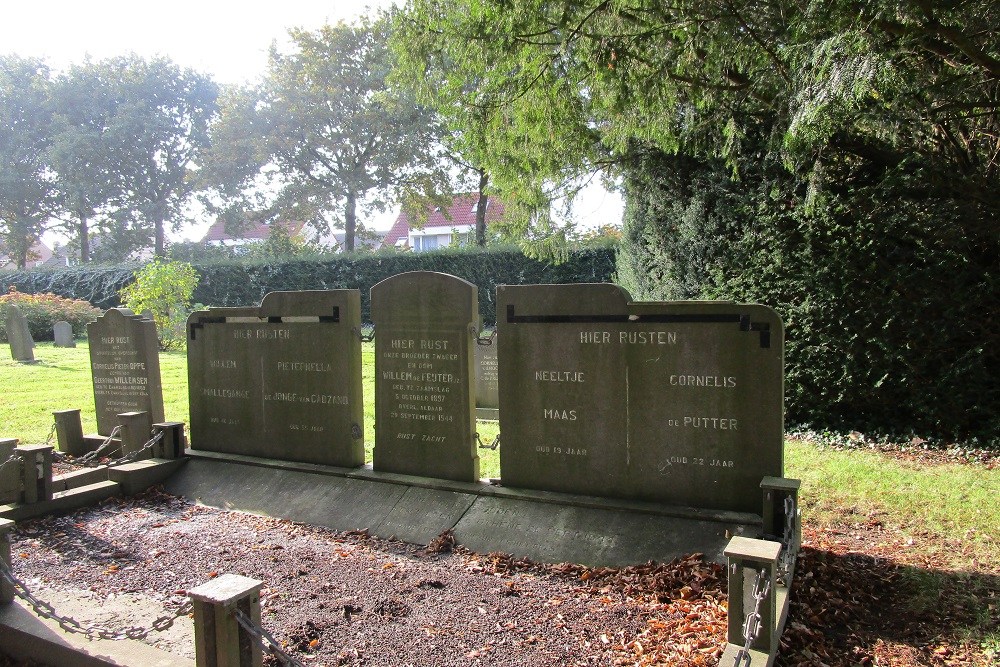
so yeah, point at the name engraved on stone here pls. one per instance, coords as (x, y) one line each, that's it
(279, 381)
(669, 402)
(424, 392)
(125, 366)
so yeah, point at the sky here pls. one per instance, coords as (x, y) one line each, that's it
(227, 40)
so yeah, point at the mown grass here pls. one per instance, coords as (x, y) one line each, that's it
(955, 502)
(61, 380)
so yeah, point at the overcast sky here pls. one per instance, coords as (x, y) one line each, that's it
(228, 40)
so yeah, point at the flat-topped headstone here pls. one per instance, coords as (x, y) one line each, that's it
(679, 402)
(487, 395)
(280, 381)
(62, 332)
(22, 347)
(125, 363)
(425, 330)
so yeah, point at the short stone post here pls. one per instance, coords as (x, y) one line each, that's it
(137, 428)
(6, 590)
(747, 558)
(10, 474)
(36, 471)
(173, 443)
(783, 520)
(220, 640)
(69, 432)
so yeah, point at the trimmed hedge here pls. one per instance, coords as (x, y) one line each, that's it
(242, 283)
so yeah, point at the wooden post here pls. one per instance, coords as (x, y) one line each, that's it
(173, 444)
(220, 641)
(6, 590)
(36, 471)
(137, 428)
(69, 432)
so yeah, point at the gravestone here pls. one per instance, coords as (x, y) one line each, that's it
(487, 395)
(125, 364)
(677, 403)
(425, 331)
(62, 332)
(280, 381)
(19, 336)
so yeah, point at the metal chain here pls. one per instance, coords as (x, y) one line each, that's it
(492, 445)
(486, 341)
(752, 623)
(70, 624)
(129, 458)
(52, 432)
(788, 548)
(89, 457)
(265, 638)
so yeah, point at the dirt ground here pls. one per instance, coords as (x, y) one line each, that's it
(349, 599)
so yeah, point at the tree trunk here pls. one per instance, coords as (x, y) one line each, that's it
(350, 221)
(159, 242)
(484, 179)
(84, 233)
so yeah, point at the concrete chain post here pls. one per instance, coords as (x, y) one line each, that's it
(220, 640)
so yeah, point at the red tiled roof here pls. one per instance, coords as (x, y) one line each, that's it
(254, 230)
(459, 213)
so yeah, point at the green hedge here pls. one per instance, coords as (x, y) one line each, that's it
(888, 291)
(241, 283)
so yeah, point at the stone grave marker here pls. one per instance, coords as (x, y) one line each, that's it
(425, 331)
(280, 381)
(487, 395)
(22, 347)
(125, 364)
(62, 332)
(677, 403)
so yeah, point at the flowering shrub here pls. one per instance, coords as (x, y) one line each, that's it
(44, 310)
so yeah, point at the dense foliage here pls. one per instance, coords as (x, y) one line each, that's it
(44, 310)
(164, 289)
(837, 161)
(245, 282)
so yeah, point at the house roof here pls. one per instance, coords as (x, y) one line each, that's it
(253, 231)
(461, 212)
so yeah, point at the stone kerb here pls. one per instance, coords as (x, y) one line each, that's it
(125, 364)
(280, 381)
(679, 402)
(426, 325)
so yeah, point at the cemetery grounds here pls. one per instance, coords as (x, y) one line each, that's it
(900, 562)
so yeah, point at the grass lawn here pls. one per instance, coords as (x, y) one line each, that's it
(936, 526)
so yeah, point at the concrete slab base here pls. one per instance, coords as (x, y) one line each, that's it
(540, 525)
(62, 501)
(25, 636)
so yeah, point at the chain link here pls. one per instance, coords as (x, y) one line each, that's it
(89, 459)
(265, 637)
(492, 445)
(752, 623)
(70, 624)
(789, 550)
(134, 456)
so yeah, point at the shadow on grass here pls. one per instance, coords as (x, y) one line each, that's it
(854, 608)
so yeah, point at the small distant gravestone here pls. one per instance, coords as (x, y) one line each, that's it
(281, 381)
(62, 331)
(675, 402)
(19, 336)
(125, 364)
(425, 331)
(487, 395)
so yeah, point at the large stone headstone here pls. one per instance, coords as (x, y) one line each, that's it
(678, 403)
(280, 381)
(62, 332)
(487, 394)
(425, 329)
(125, 364)
(22, 347)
